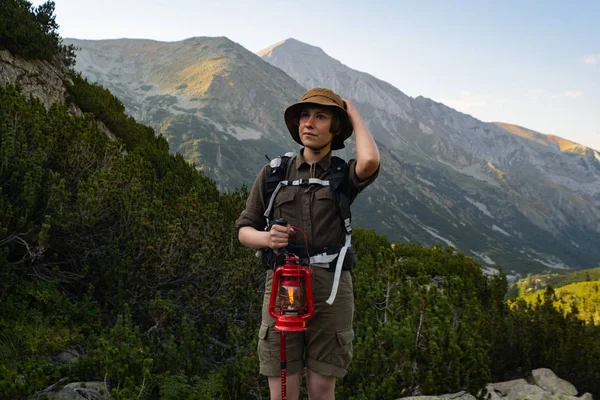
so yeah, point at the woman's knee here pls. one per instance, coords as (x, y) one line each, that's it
(320, 387)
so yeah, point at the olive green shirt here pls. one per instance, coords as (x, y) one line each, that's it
(312, 209)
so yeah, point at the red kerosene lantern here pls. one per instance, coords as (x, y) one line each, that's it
(291, 304)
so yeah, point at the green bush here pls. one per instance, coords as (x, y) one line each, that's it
(32, 32)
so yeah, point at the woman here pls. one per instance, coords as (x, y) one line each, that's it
(320, 122)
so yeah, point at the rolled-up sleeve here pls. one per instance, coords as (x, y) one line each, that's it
(255, 205)
(357, 185)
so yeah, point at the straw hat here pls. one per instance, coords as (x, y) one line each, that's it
(323, 97)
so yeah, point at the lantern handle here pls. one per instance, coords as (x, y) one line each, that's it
(284, 250)
(279, 221)
(282, 222)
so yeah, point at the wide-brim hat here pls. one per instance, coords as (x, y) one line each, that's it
(322, 97)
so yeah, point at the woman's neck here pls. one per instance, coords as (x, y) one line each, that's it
(314, 156)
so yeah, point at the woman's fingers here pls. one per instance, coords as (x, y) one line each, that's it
(279, 236)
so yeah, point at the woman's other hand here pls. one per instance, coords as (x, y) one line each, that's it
(279, 236)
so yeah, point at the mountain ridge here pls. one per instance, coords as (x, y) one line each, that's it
(446, 177)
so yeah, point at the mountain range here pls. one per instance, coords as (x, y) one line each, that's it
(509, 196)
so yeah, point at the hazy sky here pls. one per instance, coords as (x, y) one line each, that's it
(530, 63)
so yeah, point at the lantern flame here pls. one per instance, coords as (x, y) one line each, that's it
(291, 295)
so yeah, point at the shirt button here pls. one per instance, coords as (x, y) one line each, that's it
(308, 224)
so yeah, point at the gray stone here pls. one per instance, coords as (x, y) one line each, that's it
(39, 78)
(526, 391)
(97, 386)
(492, 393)
(463, 395)
(559, 396)
(453, 395)
(67, 356)
(547, 380)
(505, 387)
(518, 389)
(420, 398)
(542, 395)
(81, 391)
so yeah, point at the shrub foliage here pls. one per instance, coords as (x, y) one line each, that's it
(32, 32)
(114, 249)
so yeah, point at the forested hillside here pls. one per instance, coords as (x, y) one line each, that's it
(578, 291)
(557, 280)
(122, 254)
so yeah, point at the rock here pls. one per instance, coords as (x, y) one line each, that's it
(544, 385)
(458, 396)
(565, 397)
(453, 395)
(491, 392)
(547, 380)
(97, 386)
(528, 392)
(537, 396)
(67, 356)
(102, 128)
(81, 391)
(420, 398)
(39, 78)
(505, 387)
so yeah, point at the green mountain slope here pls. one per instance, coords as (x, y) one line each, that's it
(577, 292)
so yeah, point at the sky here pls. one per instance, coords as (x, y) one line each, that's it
(531, 63)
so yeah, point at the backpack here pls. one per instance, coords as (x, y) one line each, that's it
(337, 175)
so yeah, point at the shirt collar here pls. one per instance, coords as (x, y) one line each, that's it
(324, 162)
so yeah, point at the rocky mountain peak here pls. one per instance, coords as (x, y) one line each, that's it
(296, 46)
(312, 67)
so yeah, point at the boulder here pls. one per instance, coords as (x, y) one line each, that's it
(453, 395)
(81, 391)
(547, 380)
(67, 356)
(506, 387)
(528, 392)
(492, 393)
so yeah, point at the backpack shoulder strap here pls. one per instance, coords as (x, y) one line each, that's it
(276, 172)
(338, 178)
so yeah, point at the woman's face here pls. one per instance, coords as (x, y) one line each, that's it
(315, 127)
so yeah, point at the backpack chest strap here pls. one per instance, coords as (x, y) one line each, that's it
(298, 182)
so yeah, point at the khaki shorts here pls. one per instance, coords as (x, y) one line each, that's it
(326, 346)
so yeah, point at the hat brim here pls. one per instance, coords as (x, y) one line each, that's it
(292, 116)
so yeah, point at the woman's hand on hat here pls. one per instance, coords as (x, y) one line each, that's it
(279, 236)
(350, 109)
